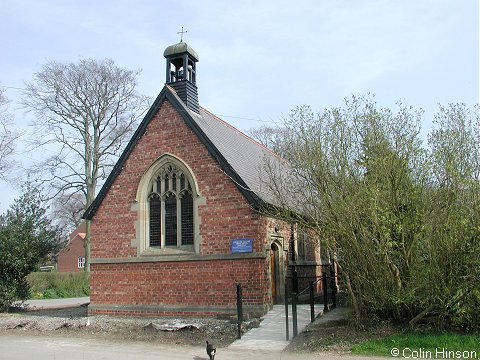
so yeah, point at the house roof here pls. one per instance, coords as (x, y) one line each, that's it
(240, 157)
(79, 231)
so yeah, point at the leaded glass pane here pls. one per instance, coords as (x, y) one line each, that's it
(155, 220)
(170, 220)
(186, 204)
(182, 182)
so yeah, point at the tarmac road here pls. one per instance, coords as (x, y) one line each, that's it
(26, 347)
(56, 303)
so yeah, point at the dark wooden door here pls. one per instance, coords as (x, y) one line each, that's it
(273, 272)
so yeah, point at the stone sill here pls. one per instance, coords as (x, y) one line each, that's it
(178, 258)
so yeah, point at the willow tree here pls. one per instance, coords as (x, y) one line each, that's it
(401, 219)
(85, 112)
(453, 223)
(352, 180)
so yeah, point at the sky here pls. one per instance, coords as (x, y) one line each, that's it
(257, 59)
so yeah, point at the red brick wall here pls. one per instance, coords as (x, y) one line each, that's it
(210, 284)
(67, 260)
(225, 215)
(311, 272)
(226, 212)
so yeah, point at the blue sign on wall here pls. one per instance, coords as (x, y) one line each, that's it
(241, 246)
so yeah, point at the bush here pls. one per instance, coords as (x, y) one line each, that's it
(401, 220)
(27, 238)
(51, 285)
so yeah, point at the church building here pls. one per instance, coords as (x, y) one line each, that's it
(179, 222)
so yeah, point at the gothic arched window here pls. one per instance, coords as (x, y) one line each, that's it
(171, 208)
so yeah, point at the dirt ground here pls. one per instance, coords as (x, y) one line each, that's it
(337, 336)
(74, 322)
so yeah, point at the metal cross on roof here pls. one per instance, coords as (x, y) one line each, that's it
(182, 32)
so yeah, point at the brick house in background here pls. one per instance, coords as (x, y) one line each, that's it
(72, 257)
(177, 223)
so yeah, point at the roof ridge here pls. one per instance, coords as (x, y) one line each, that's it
(241, 133)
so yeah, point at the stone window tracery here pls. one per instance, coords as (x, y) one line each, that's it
(171, 208)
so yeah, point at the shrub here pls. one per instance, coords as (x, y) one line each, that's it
(401, 220)
(58, 285)
(27, 237)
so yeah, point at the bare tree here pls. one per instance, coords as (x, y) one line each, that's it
(67, 210)
(270, 137)
(7, 137)
(85, 112)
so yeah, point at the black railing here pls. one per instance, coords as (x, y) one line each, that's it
(311, 298)
(239, 311)
(295, 296)
(287, 330)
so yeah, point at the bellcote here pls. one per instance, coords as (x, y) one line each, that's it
(181, 73)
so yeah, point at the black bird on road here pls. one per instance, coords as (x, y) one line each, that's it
(211, 351)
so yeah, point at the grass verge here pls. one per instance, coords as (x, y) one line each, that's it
(54, 285)
(432, 345)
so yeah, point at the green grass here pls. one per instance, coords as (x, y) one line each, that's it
(442, 345)
(54, 285)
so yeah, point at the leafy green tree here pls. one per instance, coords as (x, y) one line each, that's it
(401, 220)
(27, 238)
(351, 181)
(453, 226)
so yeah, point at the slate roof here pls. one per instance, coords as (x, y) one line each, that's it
(239, 156)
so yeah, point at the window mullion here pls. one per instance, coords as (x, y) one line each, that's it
(179, 221)
(162, 214)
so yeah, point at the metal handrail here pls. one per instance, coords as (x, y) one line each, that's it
(294, 296)
(308, 287)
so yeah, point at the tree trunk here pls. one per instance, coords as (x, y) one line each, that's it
(86, 244)
(356, 307)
